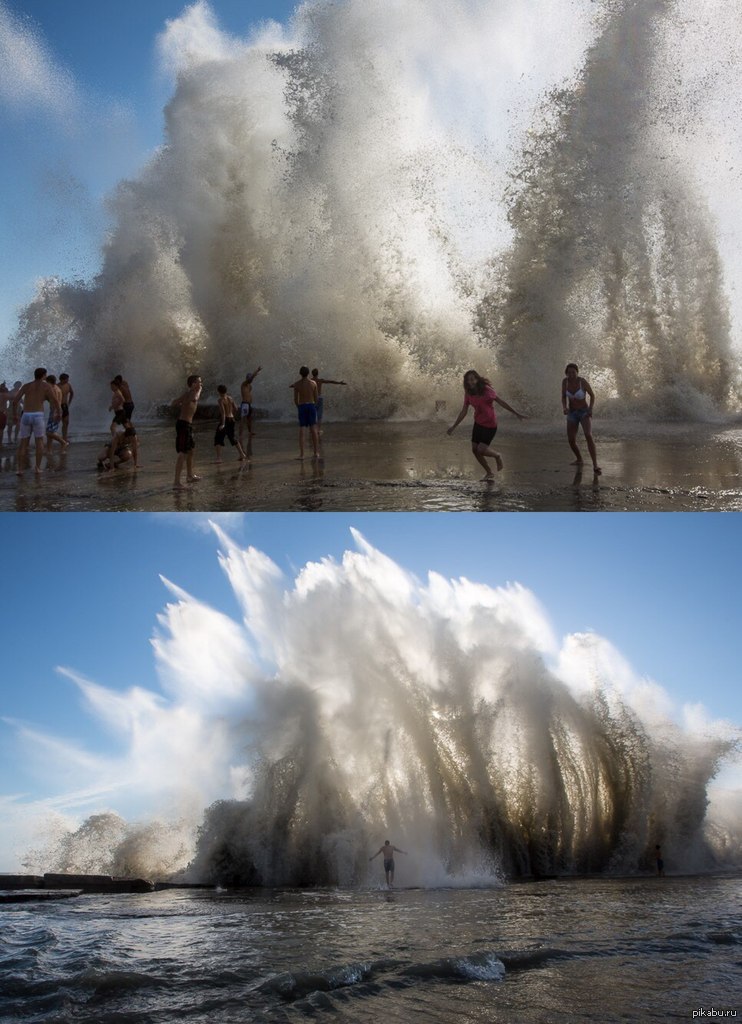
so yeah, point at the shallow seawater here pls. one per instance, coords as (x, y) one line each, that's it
(579, 950)
(386, 466)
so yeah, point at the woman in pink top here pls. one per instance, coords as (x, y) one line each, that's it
(480, 395)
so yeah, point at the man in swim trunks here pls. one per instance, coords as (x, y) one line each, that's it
(184, 440)
(33, 420)
(117, 408)
(67, 395)
(319, 381)
(53, 423)
(388, 850)
(225, 430)
(305, 400)
(15, 408)
(246, 407)
(125, 390)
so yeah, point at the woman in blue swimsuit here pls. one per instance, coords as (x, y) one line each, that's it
(575, 394)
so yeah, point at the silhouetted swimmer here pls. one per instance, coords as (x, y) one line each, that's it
(33, 421)
(184, 439)
(305, 400)
(388, 849)
(319, 381)
(246, 406)
(227, 414)
(660, 861)
(481, 396)
(575, 394)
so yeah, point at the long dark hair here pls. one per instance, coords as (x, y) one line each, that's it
(479, 386)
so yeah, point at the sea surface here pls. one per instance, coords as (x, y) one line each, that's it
(384, 466)
(644, 949)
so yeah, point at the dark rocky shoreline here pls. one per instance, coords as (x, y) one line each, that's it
(54, 885)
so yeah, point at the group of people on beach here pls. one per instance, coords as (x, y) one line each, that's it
(22, 414)
(307, 398)
(578, 399)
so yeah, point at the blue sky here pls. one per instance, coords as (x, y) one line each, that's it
(87, 113)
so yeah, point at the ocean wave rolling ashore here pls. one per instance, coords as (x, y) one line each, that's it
(649, 950)
(397, 466)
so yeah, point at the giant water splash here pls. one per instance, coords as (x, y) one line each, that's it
(357, 703)
(379, 191)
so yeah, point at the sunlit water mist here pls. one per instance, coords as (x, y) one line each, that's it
(358, 703)
(396, 194)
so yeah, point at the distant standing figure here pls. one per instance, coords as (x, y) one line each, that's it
(184, 440)
(660, 861)
(4, 403)
(33, 421)
(305, 400)
(388, 850)
(319, 381)
(481, 396)
(67, 395)
(575, 393)
(15, 410)
(125, 390)
(55, 421)
(227, 413)
(246, 406)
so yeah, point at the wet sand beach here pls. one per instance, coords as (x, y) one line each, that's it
(386, 466)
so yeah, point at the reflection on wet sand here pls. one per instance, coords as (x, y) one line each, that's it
(382, 466)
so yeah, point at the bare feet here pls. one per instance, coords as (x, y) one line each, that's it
(488, 476)
(577, 462)
(597, 470)
(498, 463)
(192, 479)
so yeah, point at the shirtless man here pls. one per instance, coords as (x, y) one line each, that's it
(117, 408)
(305, 400)
(184, 440)
(227, 413)
(319, 381)
(33, 421)
(388, 850)
(67, 395)
(54, 422)
(125, 390)
(246, 402)
(15, 408)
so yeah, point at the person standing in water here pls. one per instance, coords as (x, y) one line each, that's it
(575, 394)
(33, 421)
(184, 440)
(67, 395)
(481, 396)
(388, 849)
(246, 406)
(123, 386)
(319, 381)
(227, 413)
(305, 400)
